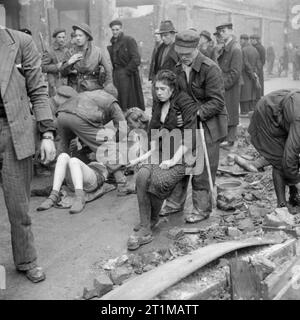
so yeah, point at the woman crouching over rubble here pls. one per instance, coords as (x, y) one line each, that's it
(275, 133)
(155, 181)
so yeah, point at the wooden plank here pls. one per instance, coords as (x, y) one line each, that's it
(152, 283)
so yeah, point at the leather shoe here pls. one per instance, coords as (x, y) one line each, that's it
(35, 274)
(166, 211)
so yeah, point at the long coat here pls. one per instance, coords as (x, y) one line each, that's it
(126, 59)
(250, 69)
(19, 54)
(262, 54)
(170, 61)
(93, 72)
(231, 63)
(50, 60)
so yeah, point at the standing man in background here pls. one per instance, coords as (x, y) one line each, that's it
(21, 79)
(205, 45)
(126, 60)
(250, 77)
(255, 41)
(52, 61)
(271, 58)
(231, 63)
(157, 43)
(166, 57)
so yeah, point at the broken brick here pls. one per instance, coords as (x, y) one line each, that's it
(89, 294)
(120, 274)
(102, 285)
(175, 233)
(234, 232)
(246, 225)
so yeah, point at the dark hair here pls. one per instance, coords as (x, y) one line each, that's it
(168, 77)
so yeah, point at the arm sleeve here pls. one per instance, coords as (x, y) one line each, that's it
(290, 161)
(233, 75)
(48, 65)
(135, 59)
(215, 95)
(35, 85)
(248, 67)
(66, 68)
(107, 65)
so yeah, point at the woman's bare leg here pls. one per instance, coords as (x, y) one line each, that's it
(60, 171)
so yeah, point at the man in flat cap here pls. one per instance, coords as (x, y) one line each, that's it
(250, 75)
(202, 79)
(52, 61)
(255, 41)
(126, 59)
(230, 62)
(166, 57)
(205, 45)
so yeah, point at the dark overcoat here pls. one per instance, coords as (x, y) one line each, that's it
(250, 68)
(169, 62)
(126, 59)
(262, 54)
(231, 63)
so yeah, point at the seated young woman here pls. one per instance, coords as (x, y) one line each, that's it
(79, 176)
(155, 182)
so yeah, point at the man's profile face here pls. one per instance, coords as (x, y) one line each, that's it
(225, 33)
(203, 40)
(116, 30)
(61, 38)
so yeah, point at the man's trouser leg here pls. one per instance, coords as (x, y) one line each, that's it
(232, 134)
(17, 176)
(178, 197)
(202, 197)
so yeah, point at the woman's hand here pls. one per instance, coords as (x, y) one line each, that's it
(165, 165)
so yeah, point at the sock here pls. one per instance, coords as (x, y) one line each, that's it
(79, 193)
(54, 195)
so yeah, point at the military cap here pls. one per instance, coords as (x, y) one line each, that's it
(66, 92)
(206, 34)
(58, 31)
(186, 41)
(85, 28)
(115, 23)
(166, 26)
(244, 36)
(228, 25)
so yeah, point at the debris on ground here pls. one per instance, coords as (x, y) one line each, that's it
(120, 274)
(279, 218)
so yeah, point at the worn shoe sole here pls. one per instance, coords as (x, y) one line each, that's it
(140, 242)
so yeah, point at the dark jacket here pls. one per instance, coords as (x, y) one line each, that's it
(169, 62)
(93, 72)
(152, 63)
(249, 72)
(275, 131)
(262, 54)
(210, 53)
(206, 86)
(126, 59)
(50, 60)
(231, 63)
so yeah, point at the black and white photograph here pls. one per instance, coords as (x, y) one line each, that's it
(149, 153)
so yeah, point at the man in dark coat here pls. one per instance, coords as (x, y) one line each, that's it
(202, 79)
(255, 41)
(166, 57)
(231, 62)
(275, 133)
(157, 43)
(249, 73)
(126, 59)
(271, 58)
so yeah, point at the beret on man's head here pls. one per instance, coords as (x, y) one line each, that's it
(115, 23)
(58, 31)
(66, 92)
